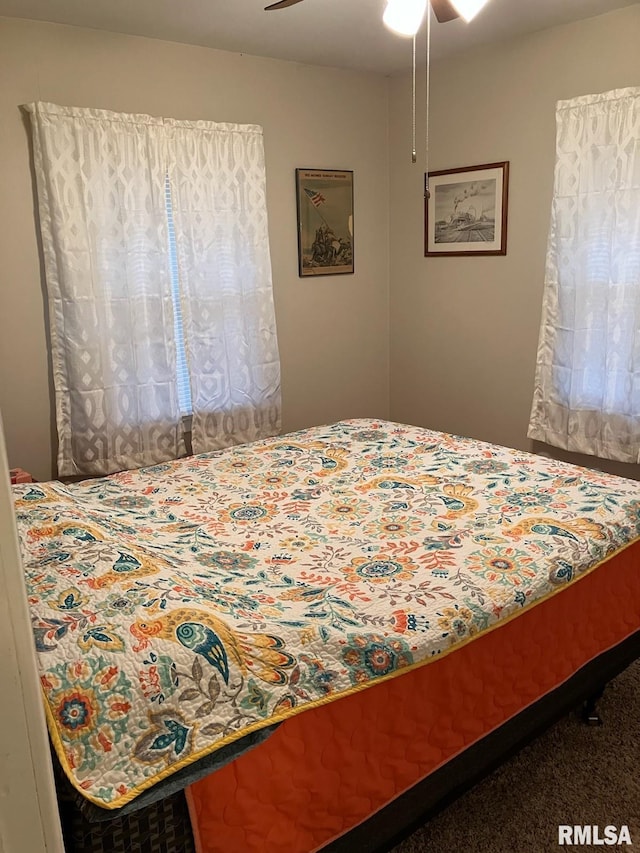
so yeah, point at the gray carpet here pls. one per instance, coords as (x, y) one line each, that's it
(573, 774)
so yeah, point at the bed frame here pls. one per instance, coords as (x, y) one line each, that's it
(150, 829)
(140, 831)
(391, 825)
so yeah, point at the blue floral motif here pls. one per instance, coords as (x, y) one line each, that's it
(322, 679)
(486, 466)
(227, 561)
(530, 499)
(368, 435)
(156, 469)
(374, 656)
(392, 462)
(123, 603)
(248, 513)
(379, 569)
(74, 712)
(129, 502)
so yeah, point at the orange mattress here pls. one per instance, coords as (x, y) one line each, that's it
(328, 769)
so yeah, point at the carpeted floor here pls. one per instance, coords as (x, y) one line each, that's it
(573, 774)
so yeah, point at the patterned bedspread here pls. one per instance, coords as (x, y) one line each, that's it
(178, 608)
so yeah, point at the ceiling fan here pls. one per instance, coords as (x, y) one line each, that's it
(444, 10)
(405, 17)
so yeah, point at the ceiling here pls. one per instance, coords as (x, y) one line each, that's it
(343, 33)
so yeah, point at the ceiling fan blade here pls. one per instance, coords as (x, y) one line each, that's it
(444, 11)
(282, 4)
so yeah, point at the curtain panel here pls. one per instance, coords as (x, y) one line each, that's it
(102, 188)
(587, 385)
(217, 177)
(100, 182)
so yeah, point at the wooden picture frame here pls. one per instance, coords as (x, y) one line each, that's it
(325, 221)
(465, 212)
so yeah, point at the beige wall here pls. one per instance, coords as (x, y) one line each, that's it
(333, 331)
(464, 331)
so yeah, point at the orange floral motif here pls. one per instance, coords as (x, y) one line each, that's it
(346, 508)
(400, 621)
(118, 707)
(150, 681)
(78, 671)
(191, 489)
(44, 532)
(75, 755)
(234, 463)
(104, 678)
(272, 480)
(403, 622)
(457, 620)
(50, 682)
(105, 744)
(298, 543)
(398, 527)
(505, 564)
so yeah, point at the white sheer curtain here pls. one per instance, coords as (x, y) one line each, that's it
(587, 387)
(102, 185)
(100, 179)
(217, 177)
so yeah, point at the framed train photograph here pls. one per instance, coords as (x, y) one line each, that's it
(465, 211)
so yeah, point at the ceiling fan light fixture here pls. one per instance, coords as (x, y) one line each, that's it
(404, 16)
(468, 9)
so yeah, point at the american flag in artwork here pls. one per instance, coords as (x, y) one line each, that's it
(315, 198)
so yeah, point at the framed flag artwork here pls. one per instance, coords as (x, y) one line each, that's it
(325, 221)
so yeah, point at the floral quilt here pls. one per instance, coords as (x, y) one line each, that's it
(179, 607)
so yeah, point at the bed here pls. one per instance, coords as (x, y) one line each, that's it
(383, 611)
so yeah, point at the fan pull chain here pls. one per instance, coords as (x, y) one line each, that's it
(427, 192)
(414, 155)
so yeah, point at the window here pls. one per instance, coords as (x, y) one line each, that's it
(182, 370)
(158, 273)
(587, 389)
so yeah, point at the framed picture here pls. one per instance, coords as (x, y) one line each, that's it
(466, 212)
(325, 221)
